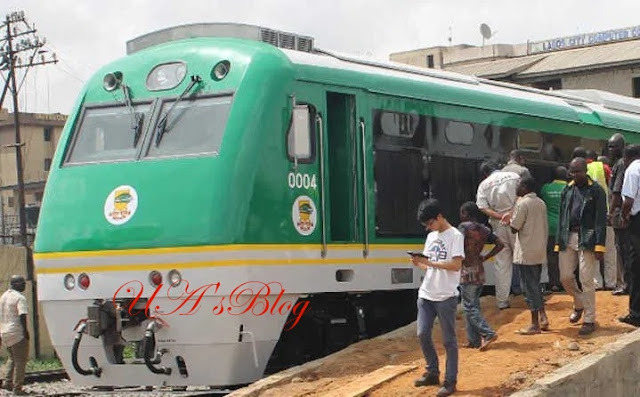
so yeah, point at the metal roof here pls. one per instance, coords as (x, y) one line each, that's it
(579, 59)
(497, 68)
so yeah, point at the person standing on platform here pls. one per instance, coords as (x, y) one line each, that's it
(616, 147)
(496, 197)
(580, 240)
(14, 334)
(479, 334)
(438, 295)
(631, 213)
(550, 194)
(529, 223)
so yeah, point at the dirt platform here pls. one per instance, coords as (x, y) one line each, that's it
(512, 363)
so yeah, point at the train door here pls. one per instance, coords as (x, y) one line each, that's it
(345, 185)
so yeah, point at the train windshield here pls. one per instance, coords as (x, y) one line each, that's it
(106, 134)
(193, 126)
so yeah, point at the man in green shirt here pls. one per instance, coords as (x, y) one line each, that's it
(550, 194)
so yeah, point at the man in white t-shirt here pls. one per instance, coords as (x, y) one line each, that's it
(15, 336)
(438, 295)
(631, 213)
(496, 197)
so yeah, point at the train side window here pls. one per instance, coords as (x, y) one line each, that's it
(459, 133)
(529, 140)
(559, 147)
(508, 137)
(399, 124)
(299, 137)
(593, 144)
(400, 166)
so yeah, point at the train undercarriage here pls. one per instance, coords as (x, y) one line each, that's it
(332, 322)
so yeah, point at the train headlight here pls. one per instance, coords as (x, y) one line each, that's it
(84, 281)
(175, 278)
(155, 278)
(69, 282)
(221, 70)
(112, 81)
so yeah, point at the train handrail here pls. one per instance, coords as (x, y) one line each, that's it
(149, 344)
(93, 369)
(365, 190)
(322, 189)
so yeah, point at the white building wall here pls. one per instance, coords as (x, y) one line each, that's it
(619, 81)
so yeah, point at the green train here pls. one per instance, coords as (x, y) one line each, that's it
(227, 200)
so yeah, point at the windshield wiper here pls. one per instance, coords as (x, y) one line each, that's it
(136, 118)
(162, 124)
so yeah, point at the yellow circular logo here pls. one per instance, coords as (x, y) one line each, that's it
(121, 204)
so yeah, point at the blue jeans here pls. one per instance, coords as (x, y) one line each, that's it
(476, 325)
(530, 283)
(516, 286)
(446, 313)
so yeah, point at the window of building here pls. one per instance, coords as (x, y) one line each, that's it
(38, 196)
(555, 84)
(636, 87)
(10, 201)
(430, 63)
(48, 131)
(47, 164)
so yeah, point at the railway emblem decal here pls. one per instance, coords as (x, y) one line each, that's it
(121, 204)
(304, 215)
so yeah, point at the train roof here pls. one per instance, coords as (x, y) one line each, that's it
(593, 107)
(610, 110)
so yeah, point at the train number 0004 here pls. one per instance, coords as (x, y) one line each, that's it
(300, 181)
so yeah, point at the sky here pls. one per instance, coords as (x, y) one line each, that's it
(87, 34)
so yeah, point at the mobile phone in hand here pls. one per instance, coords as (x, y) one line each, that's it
(420, 254)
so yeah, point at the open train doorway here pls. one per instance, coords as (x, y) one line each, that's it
(344, 185)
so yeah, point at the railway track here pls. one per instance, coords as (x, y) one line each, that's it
(45, 376)
(59, 374)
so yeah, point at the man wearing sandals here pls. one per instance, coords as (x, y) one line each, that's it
(472, 278)
(529, 224)
(581, 236)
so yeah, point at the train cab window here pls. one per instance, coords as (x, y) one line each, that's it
(459, 133)
(529, 140)
(105, 134)
(300, 135)
(191, 127)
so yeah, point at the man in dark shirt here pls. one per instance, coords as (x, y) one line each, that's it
(476, 235)
(580, 240)
(616, 146)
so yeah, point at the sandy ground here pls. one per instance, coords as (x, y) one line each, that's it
(512, 363)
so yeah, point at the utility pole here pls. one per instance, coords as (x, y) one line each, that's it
(21, 39)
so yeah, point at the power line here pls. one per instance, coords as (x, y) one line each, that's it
(21, 38)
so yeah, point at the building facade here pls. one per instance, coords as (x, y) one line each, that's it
(40, 134)
(608, 61)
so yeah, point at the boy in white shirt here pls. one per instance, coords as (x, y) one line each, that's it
(438, 294)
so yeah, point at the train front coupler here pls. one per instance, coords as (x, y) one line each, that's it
(93, 369)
